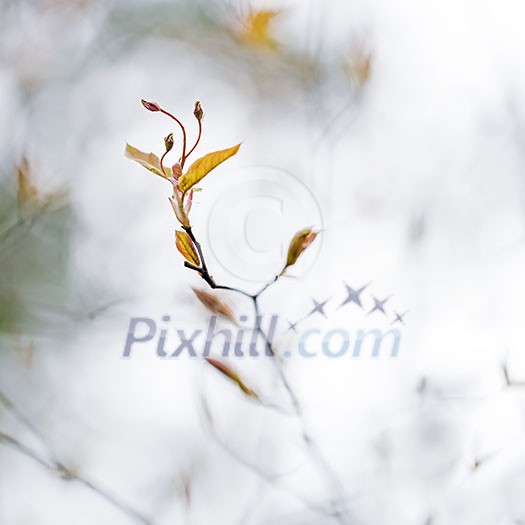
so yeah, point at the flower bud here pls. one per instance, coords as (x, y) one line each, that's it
(168, 142)
(176, 170)
(198, 111)
(151, 106)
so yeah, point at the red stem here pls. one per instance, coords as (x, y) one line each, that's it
(197, 141)
(183, 156)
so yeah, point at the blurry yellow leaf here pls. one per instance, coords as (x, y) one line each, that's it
(214, 304)
(201, 167)
(149, 160)
(186, 247)
(232, 375)
(301, 240)
(358, 66)
(256, 29)
(27, 192)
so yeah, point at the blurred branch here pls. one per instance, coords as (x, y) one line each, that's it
(55, 465)
(508, 380)
(317, 458)
(274, 479)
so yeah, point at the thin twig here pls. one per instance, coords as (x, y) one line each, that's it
(341, 512)
(273, 479)
(55, 465)
(232, 289)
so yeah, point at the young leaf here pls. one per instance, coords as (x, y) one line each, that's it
(149, 160)
(201, 167)
(180, 212)
(189, 202)
(358, 65)
(214, 304)
(301, 240)
(232, 376)
(256, 30)
(186, 247)
(27, 192)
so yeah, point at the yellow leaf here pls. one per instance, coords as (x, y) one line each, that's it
(256, 28)
(214, 304)
(232, 375)
(186, 247)
(358, 65)
(201, 167)
(149, 160)
(27, 192)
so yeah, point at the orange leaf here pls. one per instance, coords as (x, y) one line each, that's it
(186, 247)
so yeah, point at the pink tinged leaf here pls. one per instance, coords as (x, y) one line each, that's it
(232, 376)
(299, 243)
(214, 304)
(189, 202)
(179, 213)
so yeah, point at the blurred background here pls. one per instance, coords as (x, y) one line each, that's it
(399, 129)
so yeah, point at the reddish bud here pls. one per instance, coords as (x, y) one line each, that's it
(168, 142)
(176, 169)
(151, 106)
(198, 111)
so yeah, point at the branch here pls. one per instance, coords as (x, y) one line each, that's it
(341, 513)
(56, 466)
(271, 479)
